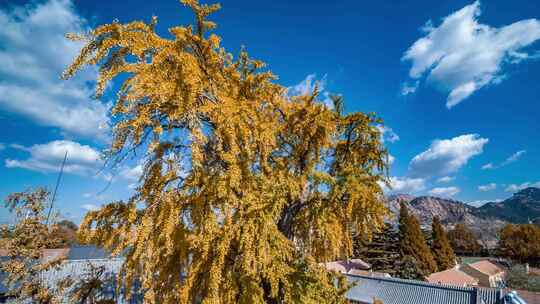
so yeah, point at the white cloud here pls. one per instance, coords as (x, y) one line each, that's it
(90, 207)
(515, 187)
(488, 166)
(462, 55)
(132, 173)
(446, 156)
(391, 159)
(445, 179)
(81, 159)
(444, 191)
(306, 87)
(511, 159)
(404, 185)
(387, 134)
(2, 146)
(487, 187)
(479, 203)
(34, 52)
(407, 88)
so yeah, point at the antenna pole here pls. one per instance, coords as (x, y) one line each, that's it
(56, 187)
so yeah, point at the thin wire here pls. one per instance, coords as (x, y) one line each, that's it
(56, 187)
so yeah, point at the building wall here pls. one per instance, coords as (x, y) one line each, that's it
(483, 279)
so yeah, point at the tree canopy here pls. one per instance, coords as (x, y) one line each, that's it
(440, 246)
(463, 240)
(381, 251)
(520, 243)
(417, 259)
(245, 188)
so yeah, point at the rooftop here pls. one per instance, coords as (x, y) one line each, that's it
(452, 276)
(486, 267)
(400, 291)
(347, 266)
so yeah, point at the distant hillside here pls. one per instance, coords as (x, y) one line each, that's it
(486, 220)
(522, 207)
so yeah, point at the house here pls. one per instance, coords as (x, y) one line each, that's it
(453, 276)
(400, 291)
(488, 274)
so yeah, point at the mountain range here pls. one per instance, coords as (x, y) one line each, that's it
(486, 220)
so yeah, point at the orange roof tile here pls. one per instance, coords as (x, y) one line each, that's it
(346, 266)
(486, 267)
(48, 255)
(453, 277)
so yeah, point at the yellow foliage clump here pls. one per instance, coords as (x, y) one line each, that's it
(245, 189)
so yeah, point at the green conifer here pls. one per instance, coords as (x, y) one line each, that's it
(413, 244)
(440, 246)
(381, 251)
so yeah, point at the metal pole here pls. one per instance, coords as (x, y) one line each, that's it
(56, 187)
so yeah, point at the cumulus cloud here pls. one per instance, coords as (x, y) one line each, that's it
(446, 156)
(391, 159)
(404, 185)
(81, 159)
(307, 86)
(445, 179)
(34, 52)
(461, 55)
(517, 187)
(444, 191)
(511, 159)
(487, 187)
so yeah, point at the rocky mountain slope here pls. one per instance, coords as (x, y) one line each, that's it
(486, 220)
(522, 207)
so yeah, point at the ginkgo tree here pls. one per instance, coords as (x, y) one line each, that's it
(245, 189)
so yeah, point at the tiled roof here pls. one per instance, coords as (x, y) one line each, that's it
(346, 266)
(486, 267)
(452, 277)
(400, 291)
(79, 267)
(72, 253)
(54, 254)
(368, 273)
(86, 253)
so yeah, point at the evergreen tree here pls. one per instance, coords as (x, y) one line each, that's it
(413, 244)
(463, 240)
(381, 251)
(440, 246)
(408, 267)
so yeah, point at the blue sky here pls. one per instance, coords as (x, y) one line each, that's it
(456, 83)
